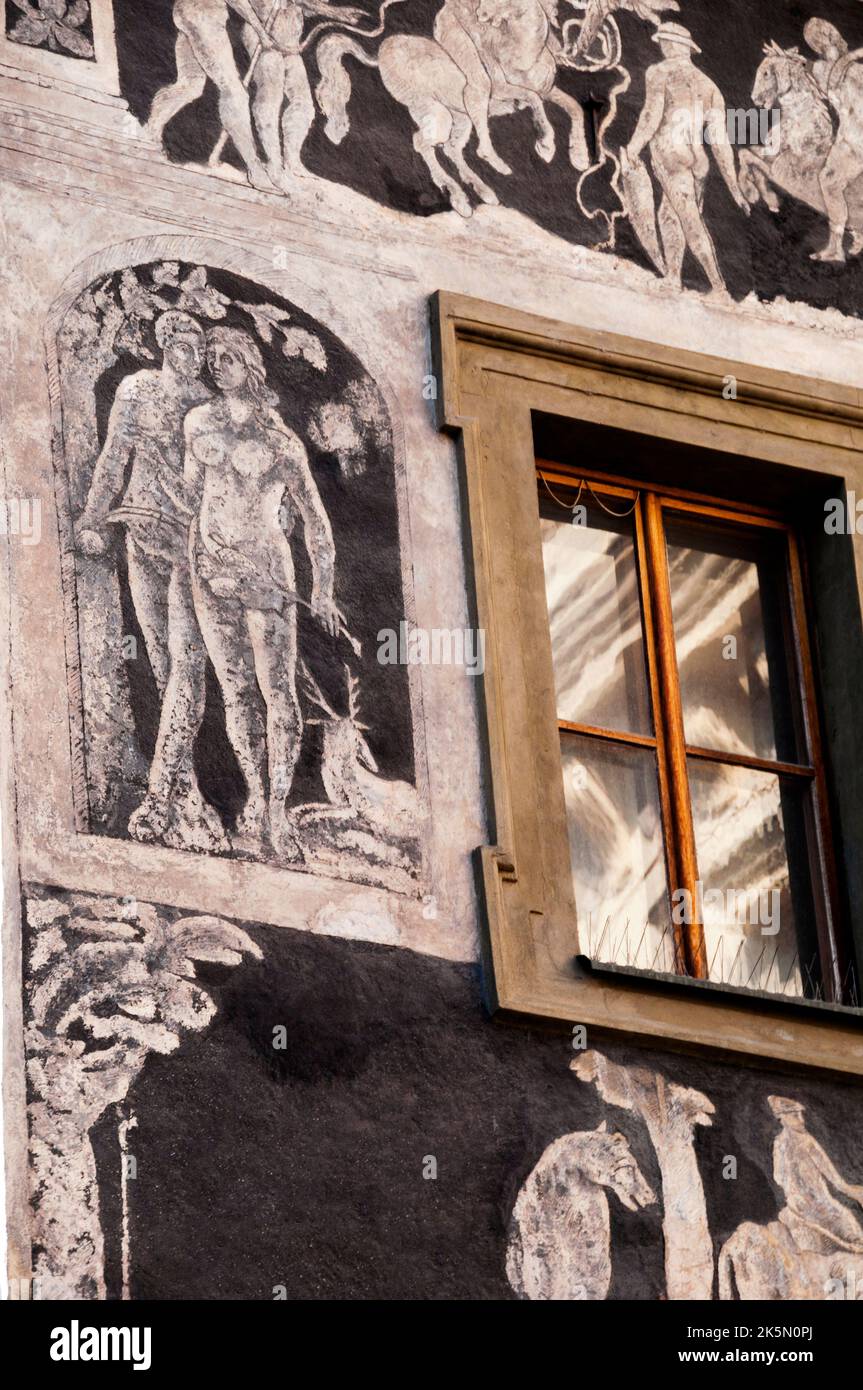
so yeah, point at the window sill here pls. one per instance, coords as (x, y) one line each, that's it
(780, 1004)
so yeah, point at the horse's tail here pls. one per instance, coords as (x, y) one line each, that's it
(334, 85)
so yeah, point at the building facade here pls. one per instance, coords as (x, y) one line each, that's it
(431, 444)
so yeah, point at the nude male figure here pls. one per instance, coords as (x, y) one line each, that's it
(145, 440)
(839, 74)
(282, 106)
(677, 150)
(455, 28)
(204, 50)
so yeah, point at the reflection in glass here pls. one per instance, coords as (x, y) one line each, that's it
(616, 850)
(753, 867)
(729, 600)
(591, 582)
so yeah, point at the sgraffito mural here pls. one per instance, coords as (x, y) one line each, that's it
(159, 1040)
(560, 1245)
(223, 461)
(720, 156)
(60, 27)
(110, 982)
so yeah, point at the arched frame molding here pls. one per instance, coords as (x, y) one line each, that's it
(211, 252)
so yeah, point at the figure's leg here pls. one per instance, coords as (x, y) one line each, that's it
(456, 41)
(149, 589)
(298, 116)
(454, 149)
(173, 792)
(683, 192)
(189, 85)
(579, 154)
(842, 167)
(673, 242)
(209, 38)
(268, 85)
(222, 623)
(274, 643)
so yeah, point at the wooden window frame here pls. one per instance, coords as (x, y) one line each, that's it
(650, 503)
(496, 368)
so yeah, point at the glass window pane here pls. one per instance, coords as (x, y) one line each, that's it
(752, 837)
(616, 850)
(732, 628)
(594, 607)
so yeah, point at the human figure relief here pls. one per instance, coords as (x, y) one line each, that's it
(815, 1241)
(456, 30)
(560, 1234)
(678, 154)
(839, 75)
(252, 476)
(802, 147)
(282, 105)
(203, 50)
(145, 435)
(509, 41)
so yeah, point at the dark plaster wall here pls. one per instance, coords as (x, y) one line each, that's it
(303, 1167)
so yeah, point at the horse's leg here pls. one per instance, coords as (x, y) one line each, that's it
(509, 91)
(579, 155)
(457, 43)
(749, 185)
(454, 149)
(434, 127)
(545, 142)
(755, 180)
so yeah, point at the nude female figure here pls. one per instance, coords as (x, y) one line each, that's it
(252, 476)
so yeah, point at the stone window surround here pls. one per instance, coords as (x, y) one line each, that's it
(498, 371)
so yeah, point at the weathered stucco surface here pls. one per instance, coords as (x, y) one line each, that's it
(350, 918)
